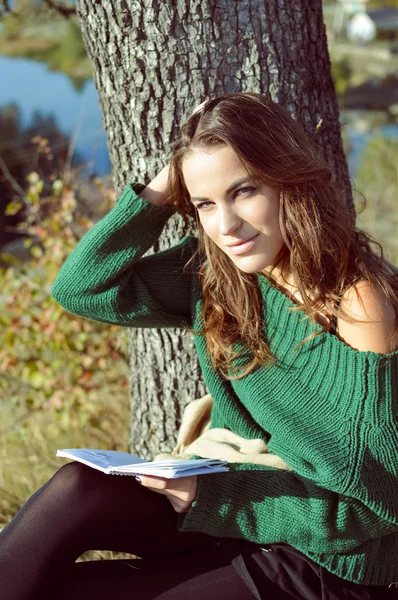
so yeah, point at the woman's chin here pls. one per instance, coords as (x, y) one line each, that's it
(251, 264)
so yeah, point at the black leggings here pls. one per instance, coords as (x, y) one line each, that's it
(82, 509)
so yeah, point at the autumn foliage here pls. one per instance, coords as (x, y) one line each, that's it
(51, 361)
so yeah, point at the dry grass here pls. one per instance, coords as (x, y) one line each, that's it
(27, 455)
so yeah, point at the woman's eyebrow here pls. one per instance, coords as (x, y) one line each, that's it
(231, 188)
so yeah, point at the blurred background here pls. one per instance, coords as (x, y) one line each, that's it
(63, 380)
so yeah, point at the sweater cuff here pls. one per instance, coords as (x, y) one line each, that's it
(137, 187)
(206, 498)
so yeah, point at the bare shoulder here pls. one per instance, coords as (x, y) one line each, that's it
(374, 320)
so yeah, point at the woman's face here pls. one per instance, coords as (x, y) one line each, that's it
(237, 214)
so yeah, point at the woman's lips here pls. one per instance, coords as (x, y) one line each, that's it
(244, 247)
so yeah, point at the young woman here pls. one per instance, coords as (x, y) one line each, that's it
(295, 326)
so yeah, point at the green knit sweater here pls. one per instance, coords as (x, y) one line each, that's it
(329, 411)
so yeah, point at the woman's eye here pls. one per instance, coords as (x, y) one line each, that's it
(246, 189)
(203, 205)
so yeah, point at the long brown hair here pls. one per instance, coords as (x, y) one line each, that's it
(325, 252)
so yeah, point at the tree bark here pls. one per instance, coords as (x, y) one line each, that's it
(153, 63)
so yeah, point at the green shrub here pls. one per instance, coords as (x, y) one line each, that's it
(63, 379)
(50, 359)
(377, 180)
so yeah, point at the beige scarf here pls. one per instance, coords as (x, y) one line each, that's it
(195, 438)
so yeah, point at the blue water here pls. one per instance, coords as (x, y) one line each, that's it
(359, 140)
(31, 86)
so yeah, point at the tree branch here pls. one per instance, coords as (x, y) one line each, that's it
(13, 182)
(65, 11)
(4, 7)
(62, 9)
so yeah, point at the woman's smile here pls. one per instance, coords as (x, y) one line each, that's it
(242, 247)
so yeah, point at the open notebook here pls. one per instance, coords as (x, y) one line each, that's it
(123, 463)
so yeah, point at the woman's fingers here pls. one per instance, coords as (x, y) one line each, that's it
(156, 483)
(178, 505)
(181, 492)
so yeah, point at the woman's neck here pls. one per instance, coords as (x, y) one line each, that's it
(283, 278)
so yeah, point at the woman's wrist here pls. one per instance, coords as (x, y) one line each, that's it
(156, 192)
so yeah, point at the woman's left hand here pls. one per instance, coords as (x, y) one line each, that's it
(180, 492)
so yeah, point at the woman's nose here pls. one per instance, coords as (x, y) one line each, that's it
(229, 221)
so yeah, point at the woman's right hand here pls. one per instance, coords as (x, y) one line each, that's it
(156, 192)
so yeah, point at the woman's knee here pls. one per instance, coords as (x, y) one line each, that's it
(74, 480)
(85, 487)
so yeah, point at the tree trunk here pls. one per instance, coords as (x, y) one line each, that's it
(153, 63)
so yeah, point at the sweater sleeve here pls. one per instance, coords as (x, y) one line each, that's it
(107, 279)
(265, 505)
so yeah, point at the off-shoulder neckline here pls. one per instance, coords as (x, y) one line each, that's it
(333, 340)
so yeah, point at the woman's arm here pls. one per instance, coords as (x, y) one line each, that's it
(106, 278)
(265, 506)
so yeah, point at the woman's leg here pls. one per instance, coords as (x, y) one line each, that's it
(206, 574)
(83, 509)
